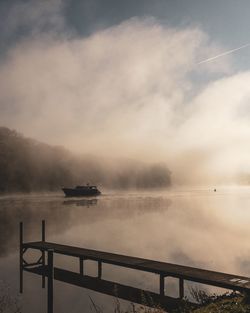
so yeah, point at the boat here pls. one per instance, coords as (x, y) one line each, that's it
(79, 191)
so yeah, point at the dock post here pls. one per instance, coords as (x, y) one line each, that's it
(162, 285)
(43, 253)
(43, 230)
(81, 265)
(100, 269)
(181, 288)
(50, 280)
(21, 257)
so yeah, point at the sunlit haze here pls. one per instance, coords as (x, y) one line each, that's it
(137, 88)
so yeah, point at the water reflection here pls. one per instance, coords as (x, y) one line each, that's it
(81, 202)
(197, 228)
(110, 288)
(65, 215)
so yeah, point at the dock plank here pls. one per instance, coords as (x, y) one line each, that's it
(223, 280)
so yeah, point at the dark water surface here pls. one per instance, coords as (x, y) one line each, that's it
(195, 227)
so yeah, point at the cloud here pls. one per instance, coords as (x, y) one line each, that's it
(127, 91)
(220, 124)
(28, 18)
(119, 71)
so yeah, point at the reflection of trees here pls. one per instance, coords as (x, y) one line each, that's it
(60, 217)
(8, 303)
(12, 211)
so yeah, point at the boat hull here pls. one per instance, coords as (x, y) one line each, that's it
(71, 192)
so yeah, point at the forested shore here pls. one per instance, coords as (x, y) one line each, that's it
(28, 165)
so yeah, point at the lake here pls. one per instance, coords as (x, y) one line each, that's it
(194, 227)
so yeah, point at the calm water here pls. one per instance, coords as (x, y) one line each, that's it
(195, 227)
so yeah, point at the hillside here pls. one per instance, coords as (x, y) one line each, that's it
(28, 165)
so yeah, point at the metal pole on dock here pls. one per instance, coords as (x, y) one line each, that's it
(21, 257)
(43, 230)
(181, 288)
(43, 253)
(81, 265)
(50, 280)
(100, 269)
(162, 284)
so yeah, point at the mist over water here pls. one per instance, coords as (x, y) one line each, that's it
(133, 108)
(195, 227)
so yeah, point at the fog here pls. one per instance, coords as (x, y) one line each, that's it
(176, 226)
(132, 91)
(27, 165)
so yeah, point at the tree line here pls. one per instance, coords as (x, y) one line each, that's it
(28, 165)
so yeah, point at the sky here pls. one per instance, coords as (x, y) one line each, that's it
(156, 81)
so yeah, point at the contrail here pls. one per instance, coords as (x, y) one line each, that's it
(224, 53)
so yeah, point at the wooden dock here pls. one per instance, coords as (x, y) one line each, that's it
(163, 269)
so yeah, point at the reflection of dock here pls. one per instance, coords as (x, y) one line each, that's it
(227, 281)
(120, 291)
